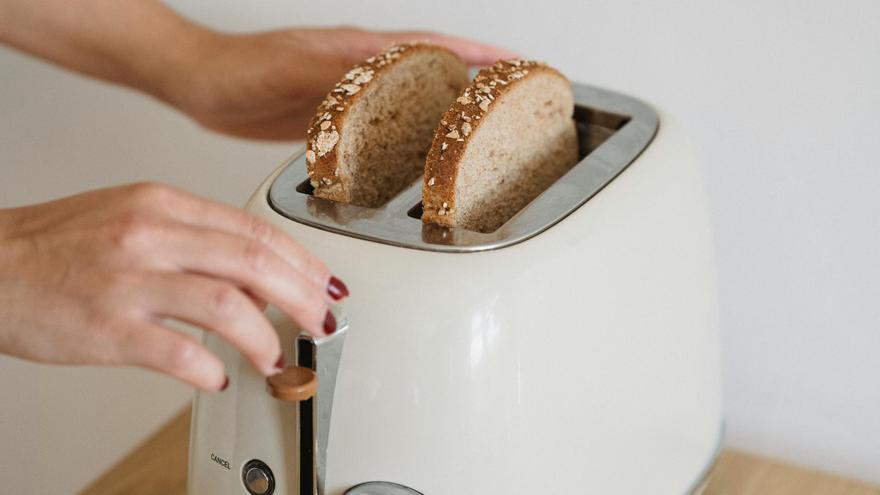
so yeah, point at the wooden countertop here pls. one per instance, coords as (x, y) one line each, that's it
(158, 467)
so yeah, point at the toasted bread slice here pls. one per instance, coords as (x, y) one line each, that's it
(507, 138)
(369, 138)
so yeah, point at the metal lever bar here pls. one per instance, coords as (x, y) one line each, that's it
(323, 356)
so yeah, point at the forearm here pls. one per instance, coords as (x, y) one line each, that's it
(4, 228)
(137, 43)
(261, 85)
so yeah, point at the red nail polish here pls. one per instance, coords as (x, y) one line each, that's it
(280, 363)
(225, 384)
(329, 323)
(337, 289)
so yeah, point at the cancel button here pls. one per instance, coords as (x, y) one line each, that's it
(257, 478)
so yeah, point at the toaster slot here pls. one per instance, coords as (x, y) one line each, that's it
(306, 187)
(415, 211)
(613, 130)
(594, 127)
(345, 211)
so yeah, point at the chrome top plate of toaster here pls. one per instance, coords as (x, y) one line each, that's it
(613, 129)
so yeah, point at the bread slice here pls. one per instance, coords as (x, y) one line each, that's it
(369, 138)
(507, 138)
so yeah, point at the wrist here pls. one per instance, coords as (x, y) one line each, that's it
(172, 70)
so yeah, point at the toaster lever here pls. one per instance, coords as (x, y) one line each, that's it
(323, 357)
(294, 384)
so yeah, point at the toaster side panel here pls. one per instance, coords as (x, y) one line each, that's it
(243, 424)
(627, 368)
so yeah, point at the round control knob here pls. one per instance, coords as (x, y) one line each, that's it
(257, 478)
(294, 384)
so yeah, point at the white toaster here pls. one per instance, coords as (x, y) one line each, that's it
(572, 351)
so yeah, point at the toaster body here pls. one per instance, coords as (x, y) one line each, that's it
(573, 351)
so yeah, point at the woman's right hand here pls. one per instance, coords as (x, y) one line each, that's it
(92, 279)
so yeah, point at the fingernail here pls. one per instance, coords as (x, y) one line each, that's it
(225, 384)
(337, 289)
(280, 363)
(329, 323)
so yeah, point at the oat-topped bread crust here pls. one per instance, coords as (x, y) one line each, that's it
(504, 83)
(370, 135)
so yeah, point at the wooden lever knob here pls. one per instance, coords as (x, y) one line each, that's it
(294, 384)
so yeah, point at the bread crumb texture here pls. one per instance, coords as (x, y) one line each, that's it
(369, 137)
(507, 137)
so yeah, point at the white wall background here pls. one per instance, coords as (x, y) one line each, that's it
(781, 99)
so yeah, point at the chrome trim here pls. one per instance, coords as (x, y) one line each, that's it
(390, 223)
(327, 355)
(381, 488)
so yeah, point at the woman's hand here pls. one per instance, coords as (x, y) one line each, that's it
(91, 279)
(263, 85)
(268, 85)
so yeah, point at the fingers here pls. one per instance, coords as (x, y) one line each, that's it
(250, 265)
(472, 52)
(159, 349)
(201, 212)
(217, 306)
(285, 126)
